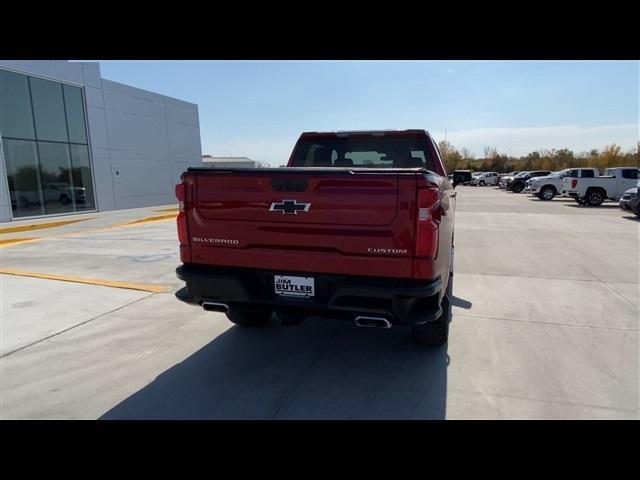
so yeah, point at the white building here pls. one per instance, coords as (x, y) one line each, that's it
(72, 141)
(229, 162)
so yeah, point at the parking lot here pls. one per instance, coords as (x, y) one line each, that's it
(545, 326)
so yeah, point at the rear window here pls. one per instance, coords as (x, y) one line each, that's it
(587, 174)
(364, 152)
(630, 173)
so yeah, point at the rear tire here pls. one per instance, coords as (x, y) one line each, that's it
(249, 317)
(517, 188)
(436, 333)
(594, 198)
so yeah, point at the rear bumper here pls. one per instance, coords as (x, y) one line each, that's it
(401, 301)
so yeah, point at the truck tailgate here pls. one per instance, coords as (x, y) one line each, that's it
(317, 221)
(333, 199)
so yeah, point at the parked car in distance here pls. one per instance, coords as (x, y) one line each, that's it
(502, 182)
(547, 187)
(365, 234)
(631, 200)
(517, 183)
(24, 198)
(593, 191)
(64, 193)
(485, 178)
(462, 177)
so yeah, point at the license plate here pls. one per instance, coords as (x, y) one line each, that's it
(288, 286)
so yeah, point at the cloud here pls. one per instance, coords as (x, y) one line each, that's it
(522, 140)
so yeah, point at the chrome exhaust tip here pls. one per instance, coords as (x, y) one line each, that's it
(215, 307)
(372, 322)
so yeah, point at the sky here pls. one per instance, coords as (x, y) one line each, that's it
(258, 109)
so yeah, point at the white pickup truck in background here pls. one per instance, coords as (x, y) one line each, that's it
(485, 178)
(594, 191)
(546, 188)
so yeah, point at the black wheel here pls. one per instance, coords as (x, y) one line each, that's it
(547, 193)
(517, 188)
(594, 198)
(436, 333)
(64, 199)
(482, 183)
(249, 317)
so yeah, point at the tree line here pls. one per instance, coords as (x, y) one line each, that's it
(493, 161)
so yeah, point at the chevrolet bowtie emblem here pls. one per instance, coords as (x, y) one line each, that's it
(291, 207)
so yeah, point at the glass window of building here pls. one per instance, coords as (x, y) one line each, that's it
(75, 114)
(48, 110)
(55, 161)
(23, 177)
(44, 145)
(16, 119)
(81, 177)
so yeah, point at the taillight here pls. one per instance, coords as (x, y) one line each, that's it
(183, 230)
(428, 221)
(574, 182)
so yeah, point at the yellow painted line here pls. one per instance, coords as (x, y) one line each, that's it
(145, 287)
(7, 241)
(157, 218)
(19, 241)
(38, 226)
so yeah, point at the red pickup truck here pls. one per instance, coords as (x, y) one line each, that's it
(358, 225)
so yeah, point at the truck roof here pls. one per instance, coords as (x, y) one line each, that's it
(306, 170)
(346, 133)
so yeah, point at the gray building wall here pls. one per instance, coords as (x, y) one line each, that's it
(148, 138)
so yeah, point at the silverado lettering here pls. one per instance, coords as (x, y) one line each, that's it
(215, 240)
(387, 188)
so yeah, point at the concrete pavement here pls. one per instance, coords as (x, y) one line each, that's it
(545, 325)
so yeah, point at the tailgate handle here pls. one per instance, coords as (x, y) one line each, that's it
(289, 184)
